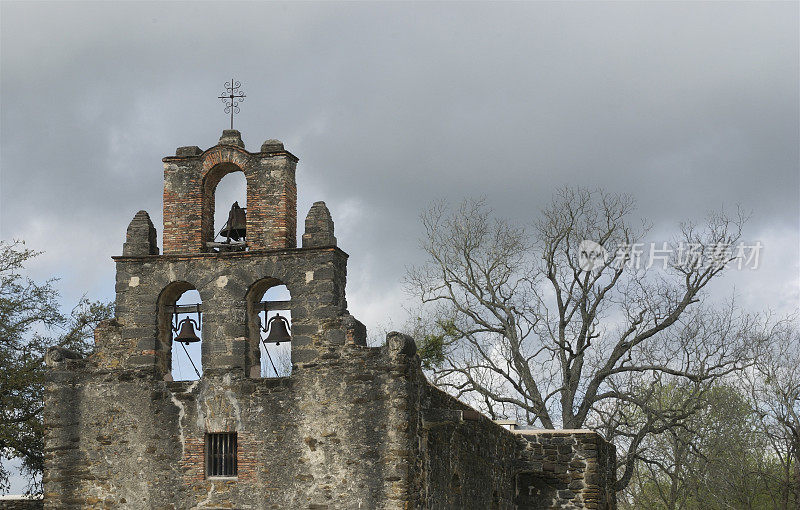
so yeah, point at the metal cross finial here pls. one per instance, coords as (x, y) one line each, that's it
(231, 98)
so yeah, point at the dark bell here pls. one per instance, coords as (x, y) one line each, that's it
(236, 226)
(278, 330)
(186, 333)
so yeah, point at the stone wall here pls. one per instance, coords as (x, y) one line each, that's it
(230, 286)
(359, 428)
(20, 503)
(460, 459)
(320, 438)
(565, 469)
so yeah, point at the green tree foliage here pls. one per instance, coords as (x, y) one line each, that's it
(31, 321)
(433, 346)
(720, 458)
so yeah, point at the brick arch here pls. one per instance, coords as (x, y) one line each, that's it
(225, 154)
(216, 164)
(210, 180)
(189, 185)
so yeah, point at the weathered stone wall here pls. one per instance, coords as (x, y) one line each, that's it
(463, 459)
(353, 427)
(466, 461)
(229, 285)
(565, 469)
(325, 437)
(20, 503)
(457, 458)
(358, 428)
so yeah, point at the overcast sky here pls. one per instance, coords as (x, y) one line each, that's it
(689, 107)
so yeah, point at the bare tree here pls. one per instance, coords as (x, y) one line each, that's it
(561, 334)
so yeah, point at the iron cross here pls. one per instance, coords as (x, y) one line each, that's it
(231, 98)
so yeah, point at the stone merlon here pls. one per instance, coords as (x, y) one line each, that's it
(319, 227)
(140, 239)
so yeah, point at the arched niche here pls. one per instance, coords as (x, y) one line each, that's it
(278, 363)
(176, 365)
(211, 180)
(231, 188)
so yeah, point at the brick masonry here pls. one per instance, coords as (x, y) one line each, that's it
(191, 177)
(352, 427)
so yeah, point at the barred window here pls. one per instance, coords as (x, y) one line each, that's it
(221, 454)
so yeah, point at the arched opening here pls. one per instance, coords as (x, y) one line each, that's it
(223, 227)
(269, 308)
(232, 188)
(180, 332)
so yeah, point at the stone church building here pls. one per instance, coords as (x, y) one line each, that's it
(352, 426)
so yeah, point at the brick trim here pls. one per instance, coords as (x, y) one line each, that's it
(193, 460)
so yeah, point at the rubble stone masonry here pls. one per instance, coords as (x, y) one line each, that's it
(352, 427)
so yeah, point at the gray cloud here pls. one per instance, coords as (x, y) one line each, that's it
(687, 106)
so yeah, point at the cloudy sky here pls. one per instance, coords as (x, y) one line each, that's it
(690, 107)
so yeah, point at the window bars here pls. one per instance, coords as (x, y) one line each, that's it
(221, 451)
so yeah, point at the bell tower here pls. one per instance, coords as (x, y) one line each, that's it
(191, 177)
(230, 278)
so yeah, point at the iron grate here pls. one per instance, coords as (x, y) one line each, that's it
(221, 449)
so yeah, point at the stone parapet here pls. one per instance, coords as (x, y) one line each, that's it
(140, 239)
(319, 227)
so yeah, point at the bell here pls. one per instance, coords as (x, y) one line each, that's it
(187, 334)
(278, 330)
(236, 226)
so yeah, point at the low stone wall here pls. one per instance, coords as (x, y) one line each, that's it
(565, 469)
(463, 460)
(21, 503)
(324, 437)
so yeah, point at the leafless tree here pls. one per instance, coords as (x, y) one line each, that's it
(534, 324)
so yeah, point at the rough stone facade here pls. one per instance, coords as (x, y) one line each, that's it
(21, 503)
(352, 426)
